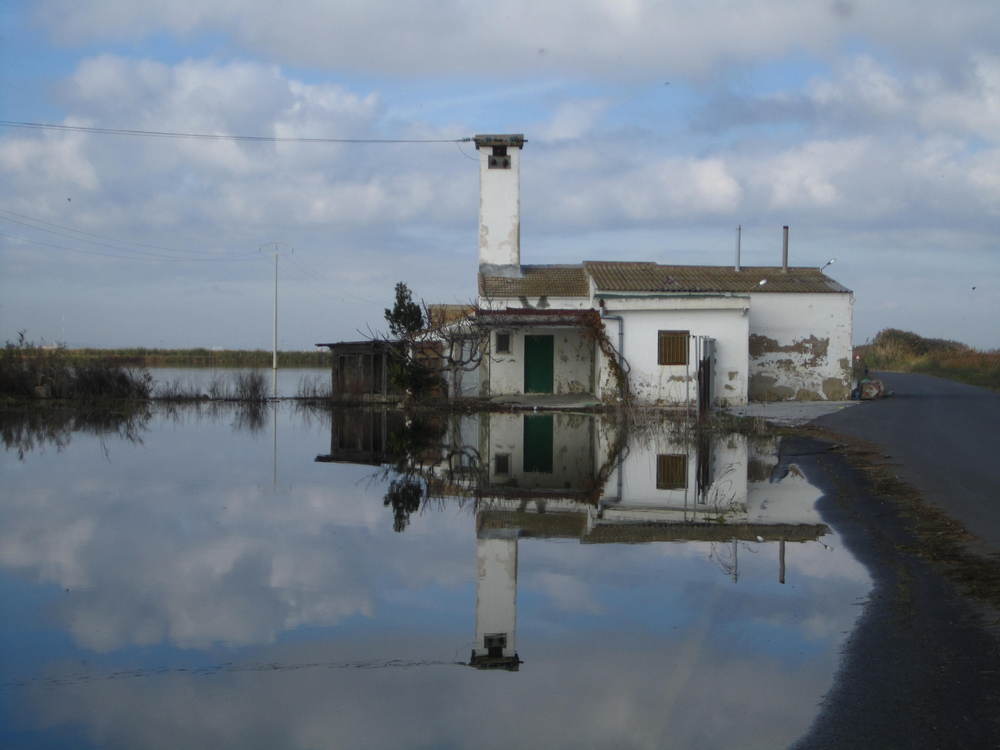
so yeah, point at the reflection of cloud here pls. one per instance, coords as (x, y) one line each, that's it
(591, 691)
(153, 553)
(566, 593)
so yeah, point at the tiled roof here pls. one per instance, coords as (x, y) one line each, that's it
(652, 277)
(537, 281)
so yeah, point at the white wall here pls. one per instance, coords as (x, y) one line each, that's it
(800, 346)
(573, 365)
(499, 210)
(723, 319)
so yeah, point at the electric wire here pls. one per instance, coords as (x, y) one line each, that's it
(311, 275)
(217, 136)
(30, 221)
(28, 241)
(125, 248)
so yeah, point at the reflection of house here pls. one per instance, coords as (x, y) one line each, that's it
(687, 334)
(565, 476)
(361, 436)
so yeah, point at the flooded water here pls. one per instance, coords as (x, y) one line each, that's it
(209, 577)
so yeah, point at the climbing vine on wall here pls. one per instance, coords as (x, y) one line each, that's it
(593, 327)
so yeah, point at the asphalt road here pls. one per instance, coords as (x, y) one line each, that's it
(945, 436)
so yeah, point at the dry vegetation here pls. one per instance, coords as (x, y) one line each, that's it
(903, 351)
(32, 372)
(142, 357)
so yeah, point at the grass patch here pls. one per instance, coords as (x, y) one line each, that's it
(904, 351)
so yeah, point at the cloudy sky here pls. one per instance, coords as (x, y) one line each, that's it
(873, 129)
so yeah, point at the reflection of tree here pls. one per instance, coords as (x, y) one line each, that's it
(404, 496)
(425, 464)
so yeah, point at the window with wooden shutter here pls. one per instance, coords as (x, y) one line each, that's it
(672, 348)
(671, 471)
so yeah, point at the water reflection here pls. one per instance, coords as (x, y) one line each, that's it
(181, 594)
(28, 430)
(593, 480)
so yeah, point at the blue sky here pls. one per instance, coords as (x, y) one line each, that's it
(654, 129)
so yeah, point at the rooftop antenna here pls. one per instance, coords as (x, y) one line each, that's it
(739, 231)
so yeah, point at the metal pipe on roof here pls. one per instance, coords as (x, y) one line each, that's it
(739, 231)
(784, 249)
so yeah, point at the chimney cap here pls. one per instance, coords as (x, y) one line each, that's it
(516, 139)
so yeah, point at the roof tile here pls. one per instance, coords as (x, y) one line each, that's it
(652, 277)
(537, 281)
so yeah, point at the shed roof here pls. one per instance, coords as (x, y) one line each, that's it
(653, 277)
(537, 281)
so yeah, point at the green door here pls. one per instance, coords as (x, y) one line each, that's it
(538, 443)
(538, 351)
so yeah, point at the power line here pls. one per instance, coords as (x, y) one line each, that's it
(67, 232)
(150, 258)
(216, 136)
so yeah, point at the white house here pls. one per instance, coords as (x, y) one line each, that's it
(705, 335)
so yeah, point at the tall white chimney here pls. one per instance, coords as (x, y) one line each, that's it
(500, 203)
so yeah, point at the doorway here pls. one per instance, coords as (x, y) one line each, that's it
(538, 364)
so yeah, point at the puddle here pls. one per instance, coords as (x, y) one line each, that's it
(361, 578)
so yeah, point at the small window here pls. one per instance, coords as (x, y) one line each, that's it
(503, 343)
(672, 348)
(671, 471)
(499, 158)
(501, 463)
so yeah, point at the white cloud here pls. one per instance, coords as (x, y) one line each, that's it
(590, 38)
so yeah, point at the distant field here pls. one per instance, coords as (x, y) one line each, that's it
(903, 351)
(202, 357)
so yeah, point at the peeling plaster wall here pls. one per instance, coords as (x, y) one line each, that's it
(676, 384)
(500, 210)
(800, 346)
(573, 365)
(572, 452)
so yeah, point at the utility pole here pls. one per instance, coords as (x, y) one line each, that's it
(274, 345)
(274, 358)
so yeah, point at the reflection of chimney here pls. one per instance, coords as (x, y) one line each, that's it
(496, 601)
(500, 203)
(784, 249)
